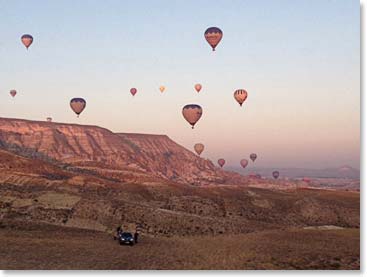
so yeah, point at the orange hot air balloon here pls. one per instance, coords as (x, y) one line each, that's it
(162, 88)
(133, 91)
(198, 87)
(276, 174)
(199, 148)
(49, 119)
(244, 163)
(240, 95)
(78, 105)
(213, 36)
(27, 40)
(221, 162)
(13, 92)
(253, 157)
(192, 113)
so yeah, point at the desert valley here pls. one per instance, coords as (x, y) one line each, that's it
(65, 187)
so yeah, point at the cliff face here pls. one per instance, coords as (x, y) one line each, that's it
(109, 154)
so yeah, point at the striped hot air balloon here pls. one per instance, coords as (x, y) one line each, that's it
(192, 113)
(213, 36)
(240, 95)
(78, 105)
(27, 40)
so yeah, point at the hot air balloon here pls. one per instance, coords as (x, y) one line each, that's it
(199, 148)
(27, 40)
(240, 95)
(192, 113)
(221, 162)
(198, 87)
(13, 92)
(213, 36)
(244, 163)
(77, 105)
(253, 157)
(49, 119)
(305, 179)
(276, 174)
(162, 88)
(133, 91)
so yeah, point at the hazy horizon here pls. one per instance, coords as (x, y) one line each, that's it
(299, 62)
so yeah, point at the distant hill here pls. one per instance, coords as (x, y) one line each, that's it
(341, 172)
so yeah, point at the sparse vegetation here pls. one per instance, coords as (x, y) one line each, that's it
(49, 247)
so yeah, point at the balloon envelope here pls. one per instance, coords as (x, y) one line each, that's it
(13, 92)
(198, 87)
(240, 95)
(27, 40)
(162, 88)
(133, 91)
(77, 105)
(275, 174)
(49, 119)
(221, 162)
(244, 163)
(213, 36)
(253, 157)
(199, 148)
(192, 113)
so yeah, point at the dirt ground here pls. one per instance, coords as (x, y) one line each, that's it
(44, 246)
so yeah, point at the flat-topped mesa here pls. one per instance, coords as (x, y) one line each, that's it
(96, 148)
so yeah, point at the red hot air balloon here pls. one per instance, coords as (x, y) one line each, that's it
(213, 36)
(133, 91)
(27, 40)
(198, 87)
(276, 174)
(78, 105)
(244, 163)
(192, 113)
(253, 157)
(221, 162)
(240, 95)
(13, 92)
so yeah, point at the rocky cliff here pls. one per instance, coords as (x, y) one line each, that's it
(112, 155)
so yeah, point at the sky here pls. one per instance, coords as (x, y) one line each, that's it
(298, 60)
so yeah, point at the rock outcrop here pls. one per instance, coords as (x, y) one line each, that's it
(112, 155)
